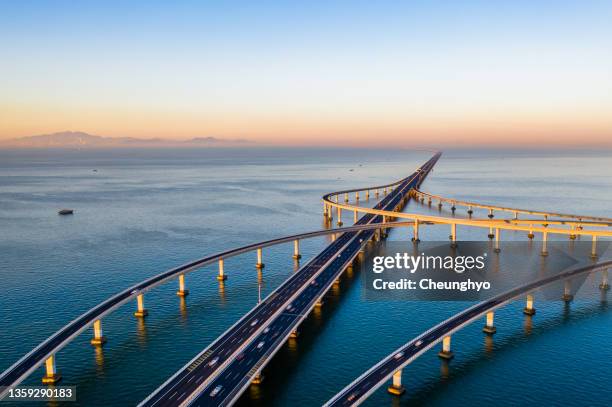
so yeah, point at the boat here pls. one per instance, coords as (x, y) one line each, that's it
(66, 211)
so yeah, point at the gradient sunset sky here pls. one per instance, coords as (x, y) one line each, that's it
(419, 73)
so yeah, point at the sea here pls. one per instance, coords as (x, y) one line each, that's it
(140, 212)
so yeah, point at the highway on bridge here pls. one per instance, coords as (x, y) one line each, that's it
(366, 384)
(219, 374)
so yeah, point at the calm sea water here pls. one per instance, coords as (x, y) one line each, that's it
(142, 212)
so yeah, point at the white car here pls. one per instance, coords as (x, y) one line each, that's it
(254, 322)
(418, 343)
(267, 330)
(398, 355)
(214, 361)
(216, 391)
(260, 345)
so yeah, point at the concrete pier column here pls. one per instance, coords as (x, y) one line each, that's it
(367, 194)
(221, 276)
(515, 215)
(453, 235)
(572, 236)
(429, 201)
(446, 352)
(490, 235)
(453, 208)
(339, 216)
(141, 311)
(383, 231)
(489, 327)
(385, 190)
(440, 204)
(544, 245)
(294, 334)
(182, 292)
(324, 210)
(377, 192)
(355, 216)
(257, 379)
(260, 264)
(396, 387)
(98, 338)
(357, 195)
(51, 376)
(470, 211)
(416, 231)
(296, 249)
(604, 280)
(567, 292)
(346, 198)
(490, 215)
(497, 235)
(594, 248)
(529, 309)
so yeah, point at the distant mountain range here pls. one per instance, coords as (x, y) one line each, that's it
(78, 139)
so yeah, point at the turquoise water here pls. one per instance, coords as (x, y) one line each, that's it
(145, 211)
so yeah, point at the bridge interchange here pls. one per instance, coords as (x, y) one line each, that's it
(219, 374)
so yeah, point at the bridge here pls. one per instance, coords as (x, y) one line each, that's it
(391, 366)
(46, 351)
(221, 372)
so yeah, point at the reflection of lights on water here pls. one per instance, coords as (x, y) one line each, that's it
(222, 291)
(183, 307)
(488, 342)
(444, 369)
(255, 392)
(528, 325)
(141, 330)
(99, 356)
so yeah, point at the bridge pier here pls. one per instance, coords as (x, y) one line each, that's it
(221, 276)
(416, 231)
(594, 248)
(470, 211)
(182, 292)
(446, 352)
(346, 198)
(377, 192)
(567, 292)
(396, 387)
(339, 216)
(98, 338)
(530, 235)
(490, 235)
(141, 312)
(367, 194)
(357, 196)
(529, 309)
(489, 327)
(453, 235)
(260, 263)
(490, 215)
(294, 334)
(440, 204)
(51, 376)
(544, 241)
(497, 249)
(604, 280)
(296, 249)
(355, 216)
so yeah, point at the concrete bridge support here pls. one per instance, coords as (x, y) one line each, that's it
(544, 244)
(529, 309)
(257, 379)
(497, 235)
(470, 211)
(221, 276)
(446, 352)
(489, 327)
(567, 292)
(530, 235)
(604, 280)
(355, 216)
(357, 196)
(182, 292)
(339, 216)
(453, 235)
(260, 264)
(367, 194)
(141, 311)
(396, 387)
(594, 248)
(490, 215)
(490, 235)
(296, 250)
(51, 376)
(346, 198)
(416, 231)
(98, 338)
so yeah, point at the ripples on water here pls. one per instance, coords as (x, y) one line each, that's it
(145, 211)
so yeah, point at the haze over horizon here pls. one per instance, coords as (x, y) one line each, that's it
(344, 73)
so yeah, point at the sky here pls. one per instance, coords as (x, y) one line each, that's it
(359, 73)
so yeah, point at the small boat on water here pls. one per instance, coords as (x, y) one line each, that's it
(66, 211)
